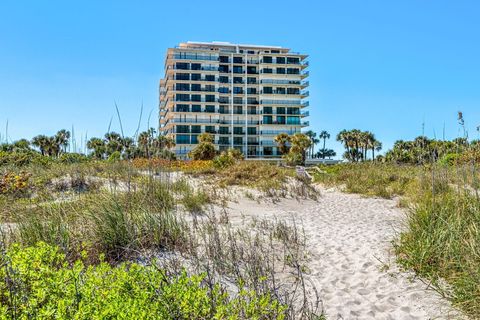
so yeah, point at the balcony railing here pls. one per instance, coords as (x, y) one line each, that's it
(202, 68)
(180, 56)
(282, 102)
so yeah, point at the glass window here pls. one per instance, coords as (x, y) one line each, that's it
(251, 90)
(196, 66)
(183, 139)
(223, 79)
(223, 59)
(209, 77)
(293, 120)
(182, 108)
(196, 76)
(182, 97)
(196, 108)
(267, 119)
(182, 76)
(182, 129)
(182, 87)
(237, 130)
(281, 119)
(209, 108)
(251, 80)
(267, 90)
(267, 59)
(222, 109)
(267, 110)
(237, 60)
(291, 60)
(280, 90)
(196, 87)
(210, 98)
(223, 140)
(267, 70)
(293, 91)
(195, 129)
(195, 139)
(280, 110)
(237, 80)
(293, 71)
(223, 130)
(281, 70)
(223, 68)
(210, 129)
(237, 69)
(281, 60)
(237, 90)
(196, 97)
(182, 65)
(252, 130)
(237, 100)
(223, 90)
(210, 88)
(238, 140)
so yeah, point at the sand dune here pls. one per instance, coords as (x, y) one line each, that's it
(352, 264)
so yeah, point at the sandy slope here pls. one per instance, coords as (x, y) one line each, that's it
(352, 264)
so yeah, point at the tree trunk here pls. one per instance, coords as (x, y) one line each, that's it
(323, 155)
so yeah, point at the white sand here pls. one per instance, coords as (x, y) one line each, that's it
(352, 264)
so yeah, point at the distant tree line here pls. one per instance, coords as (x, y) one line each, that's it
(147, 144)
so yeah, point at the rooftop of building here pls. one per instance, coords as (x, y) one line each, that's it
(231, 47)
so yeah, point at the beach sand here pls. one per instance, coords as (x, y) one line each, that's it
(352, 264)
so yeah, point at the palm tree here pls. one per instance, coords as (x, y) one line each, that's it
(98, 147)
(113, 143)
(282, 139)
(61, 140)
(40, 142)
(144, 143)
(324, 135)
(376, 146)
(300, 144)
(344, 137)
(312, 136)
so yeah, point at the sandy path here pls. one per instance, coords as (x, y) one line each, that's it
(352, 265)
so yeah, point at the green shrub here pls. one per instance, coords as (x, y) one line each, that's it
(23, 158)
(38, 283)
(227, 158)
(73, 158)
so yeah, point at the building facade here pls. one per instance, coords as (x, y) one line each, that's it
(244, 95)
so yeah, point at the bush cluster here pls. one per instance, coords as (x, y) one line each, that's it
(38, 283)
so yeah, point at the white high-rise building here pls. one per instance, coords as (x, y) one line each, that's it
(242, 94)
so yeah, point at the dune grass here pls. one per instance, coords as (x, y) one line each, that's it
(442, 239)
(124, 213)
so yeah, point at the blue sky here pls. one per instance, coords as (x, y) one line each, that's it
(383, 66)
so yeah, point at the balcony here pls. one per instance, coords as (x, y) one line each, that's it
(276, 132)
(304, 93)
(282, 102)
(180, 56)
(305, 114)
(304, 74)
(305, 104)
(203, 68)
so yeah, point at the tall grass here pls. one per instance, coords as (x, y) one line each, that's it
(442, 238)
(134, 214)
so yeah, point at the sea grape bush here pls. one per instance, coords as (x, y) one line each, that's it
(37, 282)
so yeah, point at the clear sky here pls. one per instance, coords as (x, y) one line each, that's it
(383, 66)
